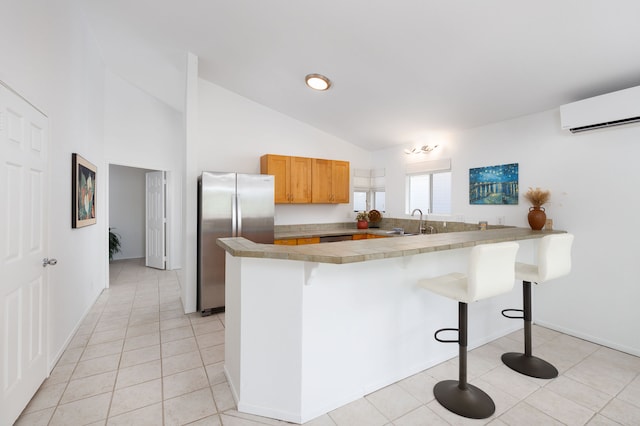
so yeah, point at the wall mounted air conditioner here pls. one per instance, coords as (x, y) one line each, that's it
(612, 109)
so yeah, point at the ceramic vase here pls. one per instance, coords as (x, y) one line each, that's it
(537, 218)
(363, 224)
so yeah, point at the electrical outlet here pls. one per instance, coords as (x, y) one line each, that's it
(500, 220)
(548, 225)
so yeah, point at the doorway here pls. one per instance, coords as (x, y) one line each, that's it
(128, 214)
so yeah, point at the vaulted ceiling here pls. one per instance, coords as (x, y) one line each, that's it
(403, 71)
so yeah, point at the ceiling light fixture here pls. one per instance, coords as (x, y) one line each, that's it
(317, 82)
(424, 149)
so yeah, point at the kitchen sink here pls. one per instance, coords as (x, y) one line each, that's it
(400, 231)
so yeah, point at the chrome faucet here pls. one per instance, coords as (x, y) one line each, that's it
(421, 229)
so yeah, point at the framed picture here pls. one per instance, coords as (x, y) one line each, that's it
(494, 184)
(83, 192)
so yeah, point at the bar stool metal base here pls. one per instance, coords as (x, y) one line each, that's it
(529, 365)
(471, 402)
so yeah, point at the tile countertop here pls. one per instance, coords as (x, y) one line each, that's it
(379, 248)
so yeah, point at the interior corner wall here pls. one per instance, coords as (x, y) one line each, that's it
(49, 57)
(589, 177)
(127, 209)
(235, 132)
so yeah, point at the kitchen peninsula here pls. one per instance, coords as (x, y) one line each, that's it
(310, 328)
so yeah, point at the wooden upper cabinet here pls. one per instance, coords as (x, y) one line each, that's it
(292, 177)
(341, 179)
(330, 181)
(300, 180)
(321, 189)
(280, 167)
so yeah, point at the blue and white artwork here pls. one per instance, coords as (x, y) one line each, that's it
(494, 184)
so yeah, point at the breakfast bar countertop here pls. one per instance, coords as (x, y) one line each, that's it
(380, 248)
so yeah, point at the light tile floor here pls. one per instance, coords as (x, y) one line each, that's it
(138, 360)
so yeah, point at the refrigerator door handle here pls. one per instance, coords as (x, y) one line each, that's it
(234, 216)
(239, 218)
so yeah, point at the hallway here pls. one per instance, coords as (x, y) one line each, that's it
(138, 360)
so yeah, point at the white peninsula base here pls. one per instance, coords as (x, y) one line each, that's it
(304, 338)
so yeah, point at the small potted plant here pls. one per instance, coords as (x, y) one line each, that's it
(537, 216)
(363, 220)
(114, 243)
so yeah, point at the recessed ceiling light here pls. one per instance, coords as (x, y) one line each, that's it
(317, 82)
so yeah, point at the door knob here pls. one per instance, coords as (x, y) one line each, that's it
(46, 261)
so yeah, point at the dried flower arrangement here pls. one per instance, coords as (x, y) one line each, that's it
(537, 197)
(362, 216)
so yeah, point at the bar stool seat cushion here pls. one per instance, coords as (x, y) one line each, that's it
(554, 260)
(526, 272)
(453, 286)
(491, 272)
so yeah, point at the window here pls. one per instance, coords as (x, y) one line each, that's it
(359, 201)
(379, 202)
(441, 193)
(429, 192)
(369, 190)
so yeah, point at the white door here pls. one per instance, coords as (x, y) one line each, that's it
(23, 246)
(155, 222)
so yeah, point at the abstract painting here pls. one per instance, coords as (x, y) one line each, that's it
(83, 192)
(494, 184)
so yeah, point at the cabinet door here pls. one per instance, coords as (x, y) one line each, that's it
(286, 242)
(300, 179)
(280, 167)
(330, 181)
(310, 240)
(322, 187)
(340, 181)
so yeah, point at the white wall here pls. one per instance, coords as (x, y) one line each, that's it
(50, 58)
(127, 212)
(589, 176)
(142, 132)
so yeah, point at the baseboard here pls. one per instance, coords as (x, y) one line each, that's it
(593, 339)
(52, 362)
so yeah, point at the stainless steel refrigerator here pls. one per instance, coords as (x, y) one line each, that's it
(229, 205)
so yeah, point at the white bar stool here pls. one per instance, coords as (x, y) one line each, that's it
(554, 260)
(491, 272)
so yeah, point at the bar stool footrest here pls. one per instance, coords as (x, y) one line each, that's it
(435, 335)
(529, 365)
(504, 313)
(471, 402)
